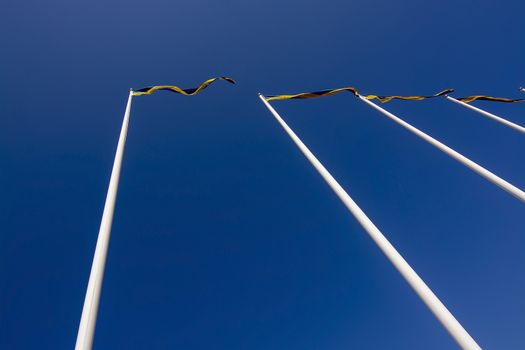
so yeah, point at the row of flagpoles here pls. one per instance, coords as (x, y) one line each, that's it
(455, 329)
(422, 290)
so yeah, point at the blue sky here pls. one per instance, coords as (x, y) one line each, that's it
(224, 236)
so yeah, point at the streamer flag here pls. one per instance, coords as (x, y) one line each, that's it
(384, 99)
(352, 90)
(313, 94)
(187, 92)
(490, 98)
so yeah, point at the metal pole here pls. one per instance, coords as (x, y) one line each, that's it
(88, 320)
(439, 310)
(487, 114)
(516, 192)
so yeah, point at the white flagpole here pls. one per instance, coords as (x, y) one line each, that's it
(516, 192)
(487, 114)
(88, 320)
(439, 310)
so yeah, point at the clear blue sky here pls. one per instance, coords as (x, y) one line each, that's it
(224, 236)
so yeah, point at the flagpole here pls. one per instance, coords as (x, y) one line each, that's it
(88, 319)
(516, 192)
(439, 310)
(487, 114)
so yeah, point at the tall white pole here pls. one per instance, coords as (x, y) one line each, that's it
(455, 329)
(489, 115)
(88, 320)
(516, 192)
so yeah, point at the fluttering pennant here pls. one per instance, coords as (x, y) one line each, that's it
(489, 98)
(187, 92)
(384, 99)
(352, 90)
(313, 94)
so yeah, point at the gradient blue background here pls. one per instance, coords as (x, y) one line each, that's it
(224, 236)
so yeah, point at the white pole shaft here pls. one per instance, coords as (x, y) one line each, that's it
(455, 329)
(516, 192)
(88, 320)
(487, 114)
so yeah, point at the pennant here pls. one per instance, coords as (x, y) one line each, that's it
(187, 92)
(384, 99)
(352, 90)
(314, 94)
(490, 98)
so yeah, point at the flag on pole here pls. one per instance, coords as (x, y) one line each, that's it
(489, 115)
(354, 91)
(187, 92)
(88, 319)
(498, 181)
(489, 98)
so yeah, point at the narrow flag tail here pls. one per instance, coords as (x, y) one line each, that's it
(314, 94)
(384, 99)
(490, 98)
(187, 92)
